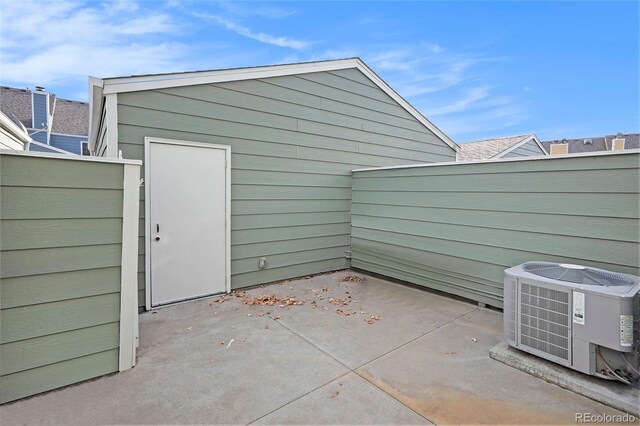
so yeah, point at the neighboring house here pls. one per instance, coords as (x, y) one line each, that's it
(54, 124)
(12, 136)
(617, 142)
(266, 153)
(507, 147)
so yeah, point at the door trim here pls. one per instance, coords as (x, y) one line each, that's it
(148, 140)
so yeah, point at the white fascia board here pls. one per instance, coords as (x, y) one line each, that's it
(539, 143)
(513, 147)
(406, 105)
(18, 131)
(163, 81)
(95, 110)
(501, 160)
(531, 137)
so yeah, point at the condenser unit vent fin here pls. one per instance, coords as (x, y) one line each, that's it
(544, 320)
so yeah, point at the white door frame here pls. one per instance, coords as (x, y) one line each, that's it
(148, 140)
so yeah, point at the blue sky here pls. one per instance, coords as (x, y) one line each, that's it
(476, 69)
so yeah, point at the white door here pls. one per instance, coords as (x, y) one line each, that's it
(187, 196)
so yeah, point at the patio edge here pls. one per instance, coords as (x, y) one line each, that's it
(613, 394)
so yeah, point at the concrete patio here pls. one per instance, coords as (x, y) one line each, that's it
(420, 358)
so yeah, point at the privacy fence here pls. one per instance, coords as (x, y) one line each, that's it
(455, 227)
(68, 257)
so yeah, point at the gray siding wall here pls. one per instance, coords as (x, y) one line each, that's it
(67, 142)
(294, 141)
(60, 257)
(529, 149)
(456, 228)
(40, 113)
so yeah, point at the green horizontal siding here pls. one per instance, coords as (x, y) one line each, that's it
(44, 288)
(456, 228)
(60, 256)
(529, 149)
(294, 141)
(53, 376)
(53, 348)
(48, 233)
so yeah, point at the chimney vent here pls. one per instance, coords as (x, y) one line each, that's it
(588, 141)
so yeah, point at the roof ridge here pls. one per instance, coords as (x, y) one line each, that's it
(502, 137)
(284, 64)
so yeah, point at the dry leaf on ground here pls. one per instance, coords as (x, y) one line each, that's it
(334, 394)
(270, 300)
(238, 293)
(342, 302)
(346, 313)
(372, 319)
(351, 279)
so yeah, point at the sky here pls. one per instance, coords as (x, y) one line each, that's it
(477, 70)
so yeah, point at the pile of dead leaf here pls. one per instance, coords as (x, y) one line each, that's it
(345, 312)
(351, 279)
(271, 300)
(343, 302)
(371, 319)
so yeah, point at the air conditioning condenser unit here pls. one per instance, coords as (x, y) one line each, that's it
(584, 318)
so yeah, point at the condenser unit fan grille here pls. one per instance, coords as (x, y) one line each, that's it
(577, 274)
(544, 320)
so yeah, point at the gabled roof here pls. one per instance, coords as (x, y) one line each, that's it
(69, 117)
(599, 143)
(494, 148)
(16, 104)
(17, 132)
(101, 87)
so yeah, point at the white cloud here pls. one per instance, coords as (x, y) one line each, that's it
(261, 37)
(255, 9)
(63, 42)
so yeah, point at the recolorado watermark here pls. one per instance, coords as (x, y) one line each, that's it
(604, 418)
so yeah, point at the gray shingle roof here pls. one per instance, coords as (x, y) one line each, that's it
(600, 143)
(489, 148)
(69, 117)
(16, 104)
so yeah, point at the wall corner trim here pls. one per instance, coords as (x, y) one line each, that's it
(129, 267)
(112, 124)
